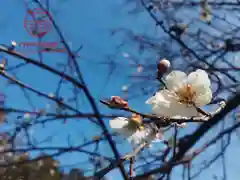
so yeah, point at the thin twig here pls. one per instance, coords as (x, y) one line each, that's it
(131, 168)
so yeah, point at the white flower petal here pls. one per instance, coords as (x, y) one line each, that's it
(163, 96)
(137, 138)
(201, 85)
(162, 111)
(142, 135)
(175, 80)
(199, 81)
(151, 100)
(120, 125)
(204, 98)
(183, 110)
(161, 102)
(166, 104)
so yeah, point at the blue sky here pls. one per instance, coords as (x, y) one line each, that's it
(84, 23)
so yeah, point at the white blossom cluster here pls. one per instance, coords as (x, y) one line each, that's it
(182, 96)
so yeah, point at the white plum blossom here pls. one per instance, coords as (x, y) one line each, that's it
(132, 130)
(182, 94)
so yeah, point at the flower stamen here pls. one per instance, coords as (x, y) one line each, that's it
(186, 95)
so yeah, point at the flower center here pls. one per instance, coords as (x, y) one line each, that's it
(186, 95)
(135, 125)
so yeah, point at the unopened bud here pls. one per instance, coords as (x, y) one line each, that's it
(119, 101)
(125, 88)
(2, 66)
(13, 45)
(163, 66)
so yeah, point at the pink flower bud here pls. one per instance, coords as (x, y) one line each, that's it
(119, 101)
(163, 66)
